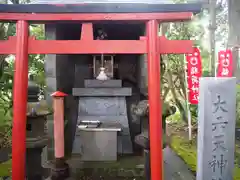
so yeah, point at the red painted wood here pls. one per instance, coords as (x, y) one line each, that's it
(20, 100)
(58, 94)
(8, 46)
(155, 104)
(96, 16)
(22, 46)
(96, 46)
(58, 128)
(174, 46)
(86, 47)
(87, 31)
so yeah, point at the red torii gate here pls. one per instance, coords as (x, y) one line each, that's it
(22, 45)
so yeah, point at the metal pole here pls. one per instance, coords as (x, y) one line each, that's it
(20, 102)
(155, 109)
(187, 104)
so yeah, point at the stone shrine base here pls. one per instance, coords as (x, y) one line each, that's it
(128, 168)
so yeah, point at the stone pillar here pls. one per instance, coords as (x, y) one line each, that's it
(60, 76)
(51, 86)
(216, 128)
(142, 73)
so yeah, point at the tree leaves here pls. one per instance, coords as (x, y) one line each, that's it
(36, 68)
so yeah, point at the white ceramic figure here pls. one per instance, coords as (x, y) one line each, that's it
(102, 75)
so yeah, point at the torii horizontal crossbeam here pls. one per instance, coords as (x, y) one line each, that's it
(44, 17)
(96, 46)
(101, 8)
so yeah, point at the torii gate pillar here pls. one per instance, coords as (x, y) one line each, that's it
(155, 115)
(20, 101)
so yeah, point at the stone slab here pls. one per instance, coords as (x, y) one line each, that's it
(174, 167)
(102, 92)
(102, 106)
(216, 131)
(94, 83)
(108, 110)
(96, 145)
(124, 139)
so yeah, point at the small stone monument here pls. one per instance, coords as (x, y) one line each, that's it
(216, 128)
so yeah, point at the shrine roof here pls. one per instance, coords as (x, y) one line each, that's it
(102, 6)
(112, 1)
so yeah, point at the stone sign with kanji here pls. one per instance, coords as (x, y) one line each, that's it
(216, 128)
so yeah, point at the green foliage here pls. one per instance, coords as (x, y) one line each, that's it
(175, 73)
(6, 83)
(36, 62)
(195, 30)
(238, 107)
(5, 169)
(176, 119)
(36, 69)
